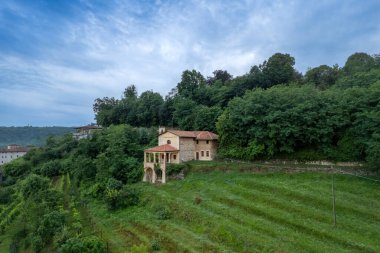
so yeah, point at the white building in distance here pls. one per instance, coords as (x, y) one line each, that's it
(11, 152)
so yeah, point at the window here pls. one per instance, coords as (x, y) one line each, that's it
(197, 142)
(168, 142)
(202, 153)
(174, 157)
(206, 142)
(207, 153)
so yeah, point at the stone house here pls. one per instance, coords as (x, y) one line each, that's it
(176, 146)
(11, 152)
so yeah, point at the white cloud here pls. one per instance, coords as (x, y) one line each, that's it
(150, 46)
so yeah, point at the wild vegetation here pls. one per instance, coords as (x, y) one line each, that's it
(40, 192)
(273, 111)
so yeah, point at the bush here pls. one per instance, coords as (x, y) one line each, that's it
(34, 184)
(90, 244)
(197, 200)
(6, 195)
(125, 197)
(172, 168)
(139, 249)
(50, 168)
(17, 168)
(162, 212)
(155, 245)
(50, 224)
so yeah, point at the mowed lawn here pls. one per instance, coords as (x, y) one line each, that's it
(246, 212)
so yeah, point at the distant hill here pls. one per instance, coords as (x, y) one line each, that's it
(28, 135)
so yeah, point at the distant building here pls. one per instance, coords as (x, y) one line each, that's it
(176, 146)
(11, 152)
(85, 132)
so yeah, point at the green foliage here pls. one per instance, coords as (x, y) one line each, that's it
(120, 198)
(322, 76)
(90, 244)
(50, 224)
(33, 185)
(6, 194)
(162, 212)
(358, 62)
(278, 69)
(138, 249)
(287, 119)
(172, 168)
(155, 245)
(17, 168)
(50, 168)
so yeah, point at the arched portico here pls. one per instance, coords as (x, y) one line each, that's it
(158, 157)
(149, 175)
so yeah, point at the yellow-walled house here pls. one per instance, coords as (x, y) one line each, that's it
(176, 146)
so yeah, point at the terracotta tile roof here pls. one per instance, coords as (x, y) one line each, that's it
(89, 127)
(206, 135)
(199, 135)
(14, 150)
(162, 148)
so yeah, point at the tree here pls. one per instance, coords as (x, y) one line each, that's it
(358, 62)
(190, 82)
(206, 118)
(278, 69)
(184, 113)
(322, 76)
(219, 75)
(148, 109)
(105, 113)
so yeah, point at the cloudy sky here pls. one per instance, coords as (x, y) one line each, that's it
(57, 56)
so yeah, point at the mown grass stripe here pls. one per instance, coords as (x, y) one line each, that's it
(305, 211)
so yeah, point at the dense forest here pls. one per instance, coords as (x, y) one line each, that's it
(273, 111)
(28, 135)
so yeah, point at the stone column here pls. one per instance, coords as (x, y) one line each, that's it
(163, 170)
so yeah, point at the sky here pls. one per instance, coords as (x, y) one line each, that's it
(58, 56)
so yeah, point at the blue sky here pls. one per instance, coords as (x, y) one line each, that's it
(57, 56)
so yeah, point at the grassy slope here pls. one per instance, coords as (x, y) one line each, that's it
(244, 212)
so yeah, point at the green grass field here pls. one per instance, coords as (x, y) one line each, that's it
(245, 212)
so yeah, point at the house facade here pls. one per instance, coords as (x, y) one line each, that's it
(11, 152)
(85, 132)
(176, 146)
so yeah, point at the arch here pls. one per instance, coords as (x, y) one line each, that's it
(149, 175)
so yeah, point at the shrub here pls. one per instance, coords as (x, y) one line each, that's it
(50, 168)
(125, 197)
(34, 184)
(139, 249)
(197, 200)
(5, 195)
(162, 212)
(172, 168)
(90, 244)
(155, 245)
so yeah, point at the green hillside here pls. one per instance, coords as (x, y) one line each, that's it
(239, 212)
(35, 136)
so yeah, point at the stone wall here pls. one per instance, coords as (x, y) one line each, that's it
(187, 149)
